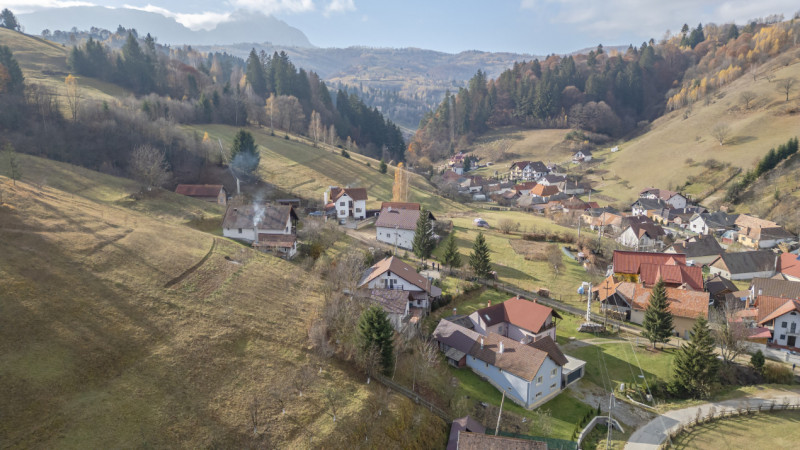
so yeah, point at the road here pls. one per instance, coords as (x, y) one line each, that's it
(654, 433)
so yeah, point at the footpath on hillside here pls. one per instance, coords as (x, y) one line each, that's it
(654, 433)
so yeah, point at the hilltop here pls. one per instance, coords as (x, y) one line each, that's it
(122, 326)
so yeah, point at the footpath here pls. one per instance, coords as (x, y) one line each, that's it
(654, 433)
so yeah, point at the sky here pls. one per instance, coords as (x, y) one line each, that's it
(536, 27)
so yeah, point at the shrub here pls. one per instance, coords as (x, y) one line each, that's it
(778, 374)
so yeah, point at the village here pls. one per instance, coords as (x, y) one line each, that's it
(732, 270)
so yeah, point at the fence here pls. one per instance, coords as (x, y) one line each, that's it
(726, 413)
(415, 397)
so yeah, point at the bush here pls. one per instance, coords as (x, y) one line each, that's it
(778, 374)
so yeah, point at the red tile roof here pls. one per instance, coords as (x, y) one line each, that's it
(787, 307)
(682, 302)
(765, 305)
(402, 270)
(404, 219)
(199, 190)
(629, 262)
(518, 359)
(789, 265)
(400, 205)
(275, 240)
(523, 313)
(354, 193)
(541, 190)
(671, 274)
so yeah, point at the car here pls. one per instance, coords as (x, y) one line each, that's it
(316, 213)
(343, 221)
(478, 222)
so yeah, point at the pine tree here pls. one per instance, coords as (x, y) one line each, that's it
(255, 74)
(244, 152)
(451, 256)
(758, 361)
(376, 332)
(8, 20)
(382, 168)
(657, 317)
(696, 363)
(423, 243)
(479, 258)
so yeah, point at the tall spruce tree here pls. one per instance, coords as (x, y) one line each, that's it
(657, 317)
(244, 152)
(376, 332)
(255, 74)
(696, 364)
(423, 243)
(479, 258)
(451, 256)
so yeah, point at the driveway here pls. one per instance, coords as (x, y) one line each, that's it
(654, 433)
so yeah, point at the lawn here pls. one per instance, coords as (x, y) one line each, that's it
(608, 365)
(565, 409)
(765, 430)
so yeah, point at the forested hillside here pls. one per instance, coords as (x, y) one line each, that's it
(610, 93)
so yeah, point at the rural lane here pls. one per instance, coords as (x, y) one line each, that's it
(651, 435)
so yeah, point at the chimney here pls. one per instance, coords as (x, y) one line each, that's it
(325, 198)
(501, 348)
(481, 343)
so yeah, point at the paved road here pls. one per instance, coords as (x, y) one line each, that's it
(654, 433)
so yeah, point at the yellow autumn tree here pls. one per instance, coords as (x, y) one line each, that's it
(400, 188)
(73, 95)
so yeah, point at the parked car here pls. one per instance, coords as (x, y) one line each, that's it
(478, 222)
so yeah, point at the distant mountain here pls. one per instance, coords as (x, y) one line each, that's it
(245, 27)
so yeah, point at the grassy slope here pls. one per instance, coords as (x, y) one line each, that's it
(778, 430)
(96, 352)
(36, 56)
(308, 171)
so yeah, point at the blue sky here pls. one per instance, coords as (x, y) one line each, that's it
(523, 26)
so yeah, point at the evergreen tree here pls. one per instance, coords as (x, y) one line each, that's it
(255, 74)
(423, 243)
(376, 332)
(657, 317)
(382, 168)
(244, 152)
(15, 78)
(451, 256)
(758, 361)
(695, 363)
(479, 258)
(8, 20)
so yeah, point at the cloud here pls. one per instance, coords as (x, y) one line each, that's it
(613, 18)
(274, 6)
(340, 6)
(26, 6)
(193, 21)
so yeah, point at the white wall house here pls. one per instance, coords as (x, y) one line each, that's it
(397, 227)
(745, 265)
(674, 199)
(393, 273)
(784, 323)
(349, 202)
(268, 228)
(641, 240)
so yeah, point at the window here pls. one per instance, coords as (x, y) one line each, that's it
(783, 324)
(783, 336)
(240, 231)
(553, 387)
(358, 209)
(539, 380)
(553, 372)
(538, 394)
(341, 203)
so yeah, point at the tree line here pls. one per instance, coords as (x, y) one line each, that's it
(267, 90)
(767, 163)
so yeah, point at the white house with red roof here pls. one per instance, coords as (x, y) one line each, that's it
(394, 274)
(397, 224)
(784, 323)
(212, 193)
(518, 319)
(349, 202)
(269, 228)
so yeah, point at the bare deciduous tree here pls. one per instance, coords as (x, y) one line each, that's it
(73, 95)
(315, 129)
(426, 357)
(333, 399)
(785, 86)
(303, 379)
(149, 167)
(255, 410)
(554, 258)
(747, 97)
(720, 132)
(729, 334)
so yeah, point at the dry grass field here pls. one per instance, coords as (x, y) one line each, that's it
(96, 351)
(776, 430)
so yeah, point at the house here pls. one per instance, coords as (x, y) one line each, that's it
(464, 424)
(647, 206)
(702, 249)
(450, 176)
(400, 205)
(673, 275)
(718, 287)
(642, 234)
(552, 180)
(544, 192)
(581, 156)
(789, 266)
(555, 169)
(525, 187)
(531, 203)
(396, 304)
(745, 265)
(771, 287)
(350, 202)
(574, 204)
(685, 305)
(712, 223)
(570, 187)
(679, 217)
(603, 219)
(398, 226)
(627, 265)
(784, 324)
(393, 273)
(266, 227)
(758, 233)
(671, 198)
(524, 361)
(528, 170)
(516, 318)
(212, 193)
